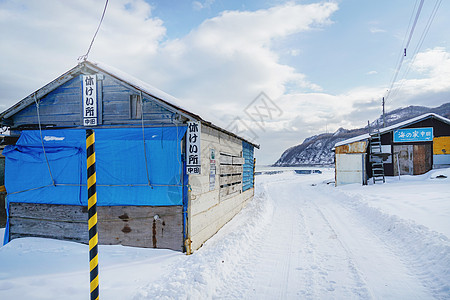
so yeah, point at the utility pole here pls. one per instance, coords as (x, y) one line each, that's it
(384, 118)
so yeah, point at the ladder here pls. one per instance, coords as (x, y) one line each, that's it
(376, 158)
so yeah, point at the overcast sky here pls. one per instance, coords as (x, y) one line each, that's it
(322, 64)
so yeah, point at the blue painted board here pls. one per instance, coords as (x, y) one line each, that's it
(413, 135)
(247, 153)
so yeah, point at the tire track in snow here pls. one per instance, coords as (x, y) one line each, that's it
(425, 254)
(314, 244)
(298, 255)
(334, 270)
(361, 288)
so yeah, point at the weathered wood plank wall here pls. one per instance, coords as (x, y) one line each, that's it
(63, 107)
(138, 226)
(211, 209)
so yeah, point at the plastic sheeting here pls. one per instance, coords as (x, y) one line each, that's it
(120, 161)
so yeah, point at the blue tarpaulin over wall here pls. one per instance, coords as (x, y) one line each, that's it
(120, 161)
(247, 153)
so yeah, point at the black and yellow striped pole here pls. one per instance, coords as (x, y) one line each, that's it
(92, 213)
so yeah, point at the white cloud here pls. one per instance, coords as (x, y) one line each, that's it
(294, 52)
(431, 72)
(306, 114)
(43, 39)
(217, 69)
(197, 5)
(228, 60)
(376, 30)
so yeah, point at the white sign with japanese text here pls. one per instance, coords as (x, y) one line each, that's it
(193, 134)
(89, 90)
(424, 134)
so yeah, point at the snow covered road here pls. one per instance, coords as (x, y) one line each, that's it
(298, 253)
(316, 247)
(298, 239)
(303, 239)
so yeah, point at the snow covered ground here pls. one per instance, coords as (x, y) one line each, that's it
(300, 238)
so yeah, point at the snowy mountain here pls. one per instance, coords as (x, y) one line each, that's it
(316, 150)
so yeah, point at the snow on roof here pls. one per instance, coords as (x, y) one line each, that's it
(159, 95)
(392, 127)
(151, 90)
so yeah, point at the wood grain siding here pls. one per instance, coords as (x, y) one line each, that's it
(118, 225)
(141, 226)
(225, 180)
(422, 158)
(209, 209)
(61, 107)
(49, 221)
(229, 170)
(117, 106)
(231, 175)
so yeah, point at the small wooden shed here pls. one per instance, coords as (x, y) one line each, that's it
(166, 178)
(412, 147)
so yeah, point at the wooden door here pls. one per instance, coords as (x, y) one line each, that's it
(422, 158)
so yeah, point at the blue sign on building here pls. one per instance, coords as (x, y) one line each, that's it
(413, 135)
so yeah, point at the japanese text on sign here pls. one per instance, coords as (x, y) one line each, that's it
(193, 148)
(413, 135)
(89, 87)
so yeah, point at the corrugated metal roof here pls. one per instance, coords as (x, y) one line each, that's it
(393, 127)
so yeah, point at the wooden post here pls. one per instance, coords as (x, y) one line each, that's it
(92, 213)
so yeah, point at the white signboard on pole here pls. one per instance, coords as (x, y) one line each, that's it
(193, 135)
(89, 90)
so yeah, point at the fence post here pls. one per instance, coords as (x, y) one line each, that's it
(92, 214)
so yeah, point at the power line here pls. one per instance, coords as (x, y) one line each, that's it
(414, 24)
(394, 78)
(84, 57)
(419, 45)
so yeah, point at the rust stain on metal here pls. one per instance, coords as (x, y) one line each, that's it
(356, 147)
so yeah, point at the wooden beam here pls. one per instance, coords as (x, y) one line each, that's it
(230, 169)
(230, 179)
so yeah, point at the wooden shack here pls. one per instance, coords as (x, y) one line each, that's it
(411, 147)
(166, 178)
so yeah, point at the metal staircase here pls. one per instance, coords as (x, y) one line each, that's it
(376, 158)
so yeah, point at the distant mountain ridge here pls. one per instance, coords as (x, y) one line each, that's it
(316, 150)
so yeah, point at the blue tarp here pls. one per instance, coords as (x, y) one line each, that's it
(120, 161)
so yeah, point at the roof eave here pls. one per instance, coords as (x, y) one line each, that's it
(395, 126)
(82, 68)
(49, 87)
